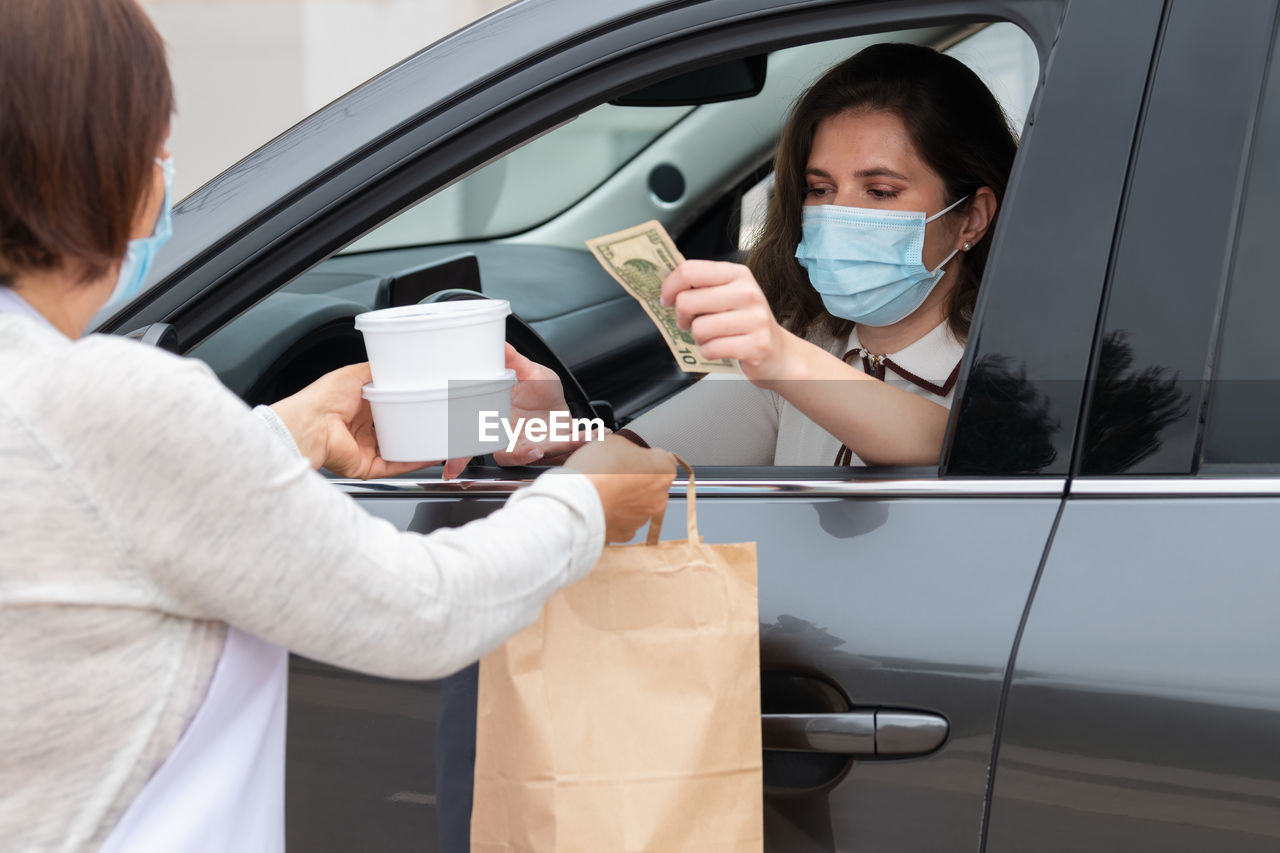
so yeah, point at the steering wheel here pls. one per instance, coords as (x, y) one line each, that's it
(531, 345)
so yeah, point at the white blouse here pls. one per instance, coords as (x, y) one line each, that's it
(723, 419)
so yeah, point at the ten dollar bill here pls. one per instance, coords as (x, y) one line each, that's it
(639, 259)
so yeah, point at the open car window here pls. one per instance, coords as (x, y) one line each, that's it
(526, 217)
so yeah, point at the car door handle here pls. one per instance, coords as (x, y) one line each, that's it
(867, 734)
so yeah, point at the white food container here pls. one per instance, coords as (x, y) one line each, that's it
(417, 346)
(441, 421)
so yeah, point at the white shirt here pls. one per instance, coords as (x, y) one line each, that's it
(723, 419)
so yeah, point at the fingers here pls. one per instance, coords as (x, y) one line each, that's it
(655, 490)
(648, 497)
(528, 453)
(382, 468)
(526, 369)
(454, 467)
(342, 389)
(632, 482)
(732, 321)
(708, 327)
(728, 315)
(746, 347)
(357, 372)
(734, 307)
(695, 274)
(523, 367)
(736, 294)
(519, 456)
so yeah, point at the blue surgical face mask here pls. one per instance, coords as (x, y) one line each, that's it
(867, 264)
(140, 254)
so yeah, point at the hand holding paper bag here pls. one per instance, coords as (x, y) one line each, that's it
(627, 718)
(632, 482)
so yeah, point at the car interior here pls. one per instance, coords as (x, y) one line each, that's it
(693, 152)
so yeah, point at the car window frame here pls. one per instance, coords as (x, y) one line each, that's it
(1249, 221)
(1187, 305)
(1052, 250)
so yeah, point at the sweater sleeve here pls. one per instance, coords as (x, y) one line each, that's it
(721, 419)
(218, 518)
(276, 427)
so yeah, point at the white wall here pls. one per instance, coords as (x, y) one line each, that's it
(246, 70)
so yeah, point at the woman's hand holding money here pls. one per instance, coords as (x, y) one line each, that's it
(722, 306)
(724, 309)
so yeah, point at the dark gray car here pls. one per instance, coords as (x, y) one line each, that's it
(1081, 601)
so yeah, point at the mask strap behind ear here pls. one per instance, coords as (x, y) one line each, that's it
(945, 211)
(948, 258)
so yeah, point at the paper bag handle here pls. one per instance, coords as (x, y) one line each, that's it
(691, 511)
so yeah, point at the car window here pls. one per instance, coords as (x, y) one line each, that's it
(532, 183)
(526, 217)
(547, 175)
(1243, 426)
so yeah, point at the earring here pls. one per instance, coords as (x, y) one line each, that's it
(967, 245)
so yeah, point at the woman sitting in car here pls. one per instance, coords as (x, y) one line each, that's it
(888, 178)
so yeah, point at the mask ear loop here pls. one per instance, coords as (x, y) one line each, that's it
(945, 211)
(938, 270)
(948, 258)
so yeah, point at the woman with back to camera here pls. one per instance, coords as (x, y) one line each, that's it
(888, 178)
(161, 546)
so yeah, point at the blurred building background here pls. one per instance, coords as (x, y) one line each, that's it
(246, 70)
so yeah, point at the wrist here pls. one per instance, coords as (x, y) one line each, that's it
(308, 432)
(788, 364)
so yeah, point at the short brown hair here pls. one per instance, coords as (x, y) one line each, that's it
(957, 127)
(85, 101)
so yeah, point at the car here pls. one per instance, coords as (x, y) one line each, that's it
(1081, 597)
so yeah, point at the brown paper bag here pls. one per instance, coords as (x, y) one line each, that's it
(627, 718)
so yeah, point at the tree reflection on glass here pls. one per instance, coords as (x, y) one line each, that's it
(1009, 427)
(1128, 409)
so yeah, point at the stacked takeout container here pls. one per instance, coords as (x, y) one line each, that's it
(435, 368)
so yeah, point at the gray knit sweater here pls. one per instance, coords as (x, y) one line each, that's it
(143, 507)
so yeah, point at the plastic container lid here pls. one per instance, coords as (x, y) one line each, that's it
(442, 390)
(433, 315)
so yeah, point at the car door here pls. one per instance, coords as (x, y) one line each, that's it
(1144, 710)
(889, 600)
